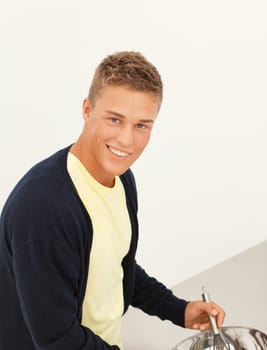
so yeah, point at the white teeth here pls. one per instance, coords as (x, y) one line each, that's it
(118, 153)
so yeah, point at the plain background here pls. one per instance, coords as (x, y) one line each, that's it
(202, 180)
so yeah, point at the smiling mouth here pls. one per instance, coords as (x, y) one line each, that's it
(118, 152)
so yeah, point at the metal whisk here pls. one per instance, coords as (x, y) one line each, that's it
(219, 341)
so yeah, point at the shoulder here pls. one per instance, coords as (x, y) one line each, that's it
(44, 203)
(129, 184)
(128, 180)
(44, 179)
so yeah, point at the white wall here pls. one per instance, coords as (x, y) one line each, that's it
(202, 180)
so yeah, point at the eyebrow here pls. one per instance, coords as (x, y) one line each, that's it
(123, 117)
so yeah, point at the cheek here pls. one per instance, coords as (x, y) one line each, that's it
(142, 141)
(101, 134)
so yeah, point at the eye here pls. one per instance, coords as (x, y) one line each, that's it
(141, 126)
(115, 120)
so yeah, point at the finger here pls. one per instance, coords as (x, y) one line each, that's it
(218, 313)
(201, 326)
(220, 318)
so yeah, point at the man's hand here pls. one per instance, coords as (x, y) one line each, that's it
(196, 315)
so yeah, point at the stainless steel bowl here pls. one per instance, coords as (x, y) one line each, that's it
(239, 338)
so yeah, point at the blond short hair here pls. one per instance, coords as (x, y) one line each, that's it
(126, 68)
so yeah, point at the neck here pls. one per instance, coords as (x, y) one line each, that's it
(81, 153)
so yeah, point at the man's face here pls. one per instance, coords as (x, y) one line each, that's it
(116, 131)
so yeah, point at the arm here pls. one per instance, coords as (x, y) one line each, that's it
(155, 299)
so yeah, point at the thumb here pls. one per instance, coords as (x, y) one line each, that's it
(215, 311)
(211, 310)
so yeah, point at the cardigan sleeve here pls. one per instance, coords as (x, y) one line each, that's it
(155, 299)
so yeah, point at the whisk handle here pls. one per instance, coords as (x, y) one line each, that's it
(206, 298)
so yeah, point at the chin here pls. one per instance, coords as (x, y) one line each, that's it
(119, 172)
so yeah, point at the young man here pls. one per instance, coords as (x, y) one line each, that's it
(69, 230)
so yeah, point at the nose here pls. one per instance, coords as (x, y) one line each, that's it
(125, 137)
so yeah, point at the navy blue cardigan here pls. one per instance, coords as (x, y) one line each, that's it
(45, 241)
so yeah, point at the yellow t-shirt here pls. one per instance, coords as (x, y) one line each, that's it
(103, 303)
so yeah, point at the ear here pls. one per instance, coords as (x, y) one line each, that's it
(86, 108)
